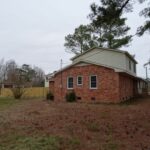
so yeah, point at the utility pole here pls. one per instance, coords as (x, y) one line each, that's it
(61, 84)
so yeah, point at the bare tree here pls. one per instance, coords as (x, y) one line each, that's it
(1, 73)
(10, 71)
(38, 79)
(20, 77)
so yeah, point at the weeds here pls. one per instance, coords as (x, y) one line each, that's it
(74, 143)
(110, 146)
(13, 142)
(104, 115)
(93, 126)
(7, 102)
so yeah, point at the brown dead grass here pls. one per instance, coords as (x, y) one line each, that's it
(88, 126)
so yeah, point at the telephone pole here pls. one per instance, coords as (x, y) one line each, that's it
(61, 84)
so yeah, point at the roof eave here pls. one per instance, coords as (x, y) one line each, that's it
(131, 57)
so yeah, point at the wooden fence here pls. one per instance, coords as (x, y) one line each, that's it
(35, 92)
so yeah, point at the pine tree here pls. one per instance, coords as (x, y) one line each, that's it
(146, 27)
(110, 28)
(81, 40)
(107, 29)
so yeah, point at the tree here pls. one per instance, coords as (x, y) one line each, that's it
(1, 73)
(7, 72)
(109, 24)
(15, 76)
(38, 80)
(19, 82)
(20, 77)
(10, 71)
(146, 27)
(26, 76)
(107, 28)
(33, 76)
(81, 40)
(30, 73)
(1, 70)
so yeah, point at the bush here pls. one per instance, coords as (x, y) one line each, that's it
(50, 96)
(71, 97)
(17, 92)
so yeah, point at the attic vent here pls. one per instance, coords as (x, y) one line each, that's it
(93, 98)
(79, 98)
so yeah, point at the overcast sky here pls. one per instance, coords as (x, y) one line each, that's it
(33, 31)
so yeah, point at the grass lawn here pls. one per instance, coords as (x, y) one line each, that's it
(6, 102)
(40, 125)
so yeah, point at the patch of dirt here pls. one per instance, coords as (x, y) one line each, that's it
(96, 126)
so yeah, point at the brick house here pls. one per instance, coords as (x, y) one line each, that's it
(100, 75)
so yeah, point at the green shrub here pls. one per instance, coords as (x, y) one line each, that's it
(50, 96)
(71, 97)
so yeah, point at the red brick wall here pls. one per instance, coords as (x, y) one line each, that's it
(126, 87)
(51, 86)
(108, 84)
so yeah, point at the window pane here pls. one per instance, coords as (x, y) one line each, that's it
(93, 81)
(70, 82)
(93, 78)
(129, 64)
(79, 80)
(70, 79)
(135, 68)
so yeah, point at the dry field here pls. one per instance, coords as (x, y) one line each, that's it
(42, 125)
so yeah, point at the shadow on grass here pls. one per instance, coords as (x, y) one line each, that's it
(134, 101)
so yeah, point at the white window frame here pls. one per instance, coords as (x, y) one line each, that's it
(78, 80)
(68, 82)
(94, 88)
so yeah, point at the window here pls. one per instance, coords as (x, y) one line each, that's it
(70, 83)
(93, 82)
(129, 64)
(134, 68)
(138, 84)
(79, 80)
(46, 79)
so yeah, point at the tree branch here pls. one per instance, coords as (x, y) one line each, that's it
(123, 6)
